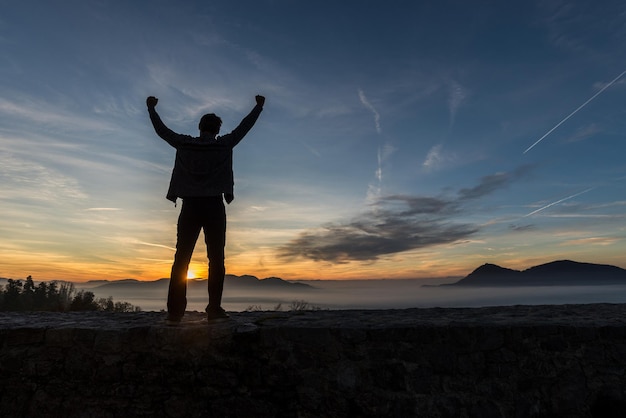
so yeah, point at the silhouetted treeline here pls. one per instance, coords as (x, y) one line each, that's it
(52, 296)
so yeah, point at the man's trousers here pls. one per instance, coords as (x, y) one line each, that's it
(208, 214)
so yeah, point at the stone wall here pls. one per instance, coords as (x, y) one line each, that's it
(522, 361)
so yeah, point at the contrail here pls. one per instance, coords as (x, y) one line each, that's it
(574, 112)
(559, 201)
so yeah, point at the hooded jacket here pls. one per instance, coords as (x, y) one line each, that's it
(203, 165)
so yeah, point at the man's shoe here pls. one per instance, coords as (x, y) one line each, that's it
(216, 314)
(173, 320)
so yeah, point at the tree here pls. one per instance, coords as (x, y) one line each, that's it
(28, 294)
(84, 301)
(107, 304)
(12, 295)
(66, 292)
(53, 298)
(40, 296)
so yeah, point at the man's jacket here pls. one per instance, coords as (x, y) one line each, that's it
(203, 166)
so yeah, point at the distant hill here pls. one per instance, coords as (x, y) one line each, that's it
(142, 288)
(230, 281)
(561, 273)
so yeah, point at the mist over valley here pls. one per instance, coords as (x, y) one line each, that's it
(559, 282)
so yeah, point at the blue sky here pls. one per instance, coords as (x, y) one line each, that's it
(391, 145)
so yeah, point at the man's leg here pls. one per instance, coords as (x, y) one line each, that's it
(215, 239)
(189, 224)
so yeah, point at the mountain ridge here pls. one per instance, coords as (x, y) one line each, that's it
(559, 272)
(230, 280)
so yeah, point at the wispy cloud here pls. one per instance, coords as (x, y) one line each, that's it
(28, 180)
(584, 133)
(150, 244)
(434, 158)
(102, 209)
(602, 241)
(311, 149)
(457, 95)
(604, 26)
(369, 106)
(40, 113)
(375, 189)
(395, 224)
(383, 154)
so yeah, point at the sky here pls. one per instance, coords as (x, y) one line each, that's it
(399, 140)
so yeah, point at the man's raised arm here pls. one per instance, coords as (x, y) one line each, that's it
(163, 131)
(246, 124)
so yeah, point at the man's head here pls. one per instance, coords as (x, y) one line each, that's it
(210, 123)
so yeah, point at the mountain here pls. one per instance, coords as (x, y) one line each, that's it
(561, 273)
(230, 281)
(132, 288)
(489, 275)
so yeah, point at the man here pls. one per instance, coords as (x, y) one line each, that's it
(202, 177)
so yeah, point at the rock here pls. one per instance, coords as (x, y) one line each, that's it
(558, 360)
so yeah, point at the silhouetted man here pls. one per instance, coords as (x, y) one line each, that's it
(202, 178)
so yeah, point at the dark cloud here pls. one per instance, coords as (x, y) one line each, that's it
(395, 224)
(493, 182)
(521, 228)
(381, 231)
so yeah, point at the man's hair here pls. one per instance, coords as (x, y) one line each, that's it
(210, 123)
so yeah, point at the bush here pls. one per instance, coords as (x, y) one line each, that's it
(296, 305)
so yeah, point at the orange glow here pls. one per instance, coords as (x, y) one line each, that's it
(456, 260)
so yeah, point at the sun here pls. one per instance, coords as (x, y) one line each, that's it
(191, 274)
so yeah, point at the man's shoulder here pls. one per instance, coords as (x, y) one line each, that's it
(199, 143)
(224, 140)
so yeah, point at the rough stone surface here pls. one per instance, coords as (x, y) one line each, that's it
(519, 361)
